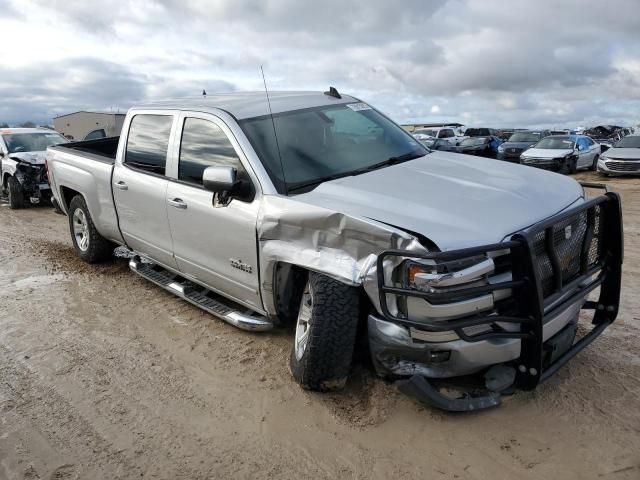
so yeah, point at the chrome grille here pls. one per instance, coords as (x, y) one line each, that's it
(620, 166)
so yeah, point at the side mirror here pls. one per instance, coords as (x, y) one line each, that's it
(221, 180)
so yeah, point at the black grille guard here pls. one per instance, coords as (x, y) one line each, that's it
(539, 283)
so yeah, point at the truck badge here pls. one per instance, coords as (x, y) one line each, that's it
(240, 265)
(567, 232)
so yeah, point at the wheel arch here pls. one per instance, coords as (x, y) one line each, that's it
(66, 195)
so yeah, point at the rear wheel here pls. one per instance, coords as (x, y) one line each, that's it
(15, 193)
(325, 334)
(89, 245)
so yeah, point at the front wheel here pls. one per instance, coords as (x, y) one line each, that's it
(594, 165)
(89, 245)
(325, 334)
(16, 195)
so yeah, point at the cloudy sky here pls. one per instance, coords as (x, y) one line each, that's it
(484, 63)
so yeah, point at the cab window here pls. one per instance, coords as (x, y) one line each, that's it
(148, 142)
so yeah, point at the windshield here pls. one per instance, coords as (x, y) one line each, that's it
(424, 131)
(524, 137)
(471, 142)
(32, 142)
(318, 144)
(629, 142)
(556, 143)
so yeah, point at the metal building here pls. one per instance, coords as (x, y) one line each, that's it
(87, 125)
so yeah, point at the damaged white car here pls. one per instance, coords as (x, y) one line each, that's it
(22, 165)
(317, 210)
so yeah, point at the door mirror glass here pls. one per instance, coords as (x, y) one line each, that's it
(219, 179)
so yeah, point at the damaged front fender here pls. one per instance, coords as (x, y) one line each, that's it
(325, 241)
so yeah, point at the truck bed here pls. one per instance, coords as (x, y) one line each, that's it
(102, 149)
(85, 168)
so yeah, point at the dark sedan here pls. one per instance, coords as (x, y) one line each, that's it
(481, 146)
(518, 143)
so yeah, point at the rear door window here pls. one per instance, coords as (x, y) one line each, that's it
(148, 142)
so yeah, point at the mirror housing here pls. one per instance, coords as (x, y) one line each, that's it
(221, 180)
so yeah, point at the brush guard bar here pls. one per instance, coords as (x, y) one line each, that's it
(548, 275)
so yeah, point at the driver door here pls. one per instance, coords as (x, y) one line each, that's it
(215, 245)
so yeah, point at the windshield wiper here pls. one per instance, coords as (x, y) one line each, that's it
(389, 161)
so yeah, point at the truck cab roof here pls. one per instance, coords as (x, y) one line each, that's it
(244, 105)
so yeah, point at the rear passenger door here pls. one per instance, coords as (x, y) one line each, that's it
(140, 186)
(215, 245)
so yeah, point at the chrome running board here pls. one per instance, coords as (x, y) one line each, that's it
(199, 296)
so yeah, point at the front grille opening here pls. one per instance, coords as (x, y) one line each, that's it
(576, 242)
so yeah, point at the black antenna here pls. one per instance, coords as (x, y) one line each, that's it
(204, 93)
(275, 134)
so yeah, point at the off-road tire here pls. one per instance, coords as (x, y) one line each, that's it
(326, 360)
(100, 249)
(15, 193)
(594, 165)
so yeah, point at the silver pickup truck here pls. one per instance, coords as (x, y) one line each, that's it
(316, 210)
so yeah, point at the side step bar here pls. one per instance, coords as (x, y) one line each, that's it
(199, 296)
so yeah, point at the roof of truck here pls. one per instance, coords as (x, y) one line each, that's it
(251, 104)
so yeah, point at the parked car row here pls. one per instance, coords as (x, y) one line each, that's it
(552, 150)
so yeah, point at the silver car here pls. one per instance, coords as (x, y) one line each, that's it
(623, 158)
(563, 153)
(22, 165)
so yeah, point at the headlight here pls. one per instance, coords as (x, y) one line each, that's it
(436, 276)
(501, 149)
(604, 158)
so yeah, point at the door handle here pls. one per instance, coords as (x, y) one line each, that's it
(121, 185)
(177, 203)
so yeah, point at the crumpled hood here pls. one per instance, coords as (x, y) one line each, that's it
(34, 158)
(547, 152)
(623, 153)
(456, 201)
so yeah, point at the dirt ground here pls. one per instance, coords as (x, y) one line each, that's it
(103, 375)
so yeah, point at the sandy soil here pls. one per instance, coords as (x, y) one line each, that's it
(103, 375)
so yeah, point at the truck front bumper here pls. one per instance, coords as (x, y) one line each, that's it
(556, 264)
(400, 351)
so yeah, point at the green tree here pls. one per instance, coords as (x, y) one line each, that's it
(27, 125)
(4, 125)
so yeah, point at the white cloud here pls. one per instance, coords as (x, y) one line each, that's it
(450, 60)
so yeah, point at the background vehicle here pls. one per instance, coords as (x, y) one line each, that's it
(564, 153)
(518, 142)
(22, 166)
(480, 132)
(621, 159)
(345, 224)
(445, 133)
(482, 146)
(438, 144)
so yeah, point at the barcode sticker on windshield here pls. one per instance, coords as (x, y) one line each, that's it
(356, 107)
